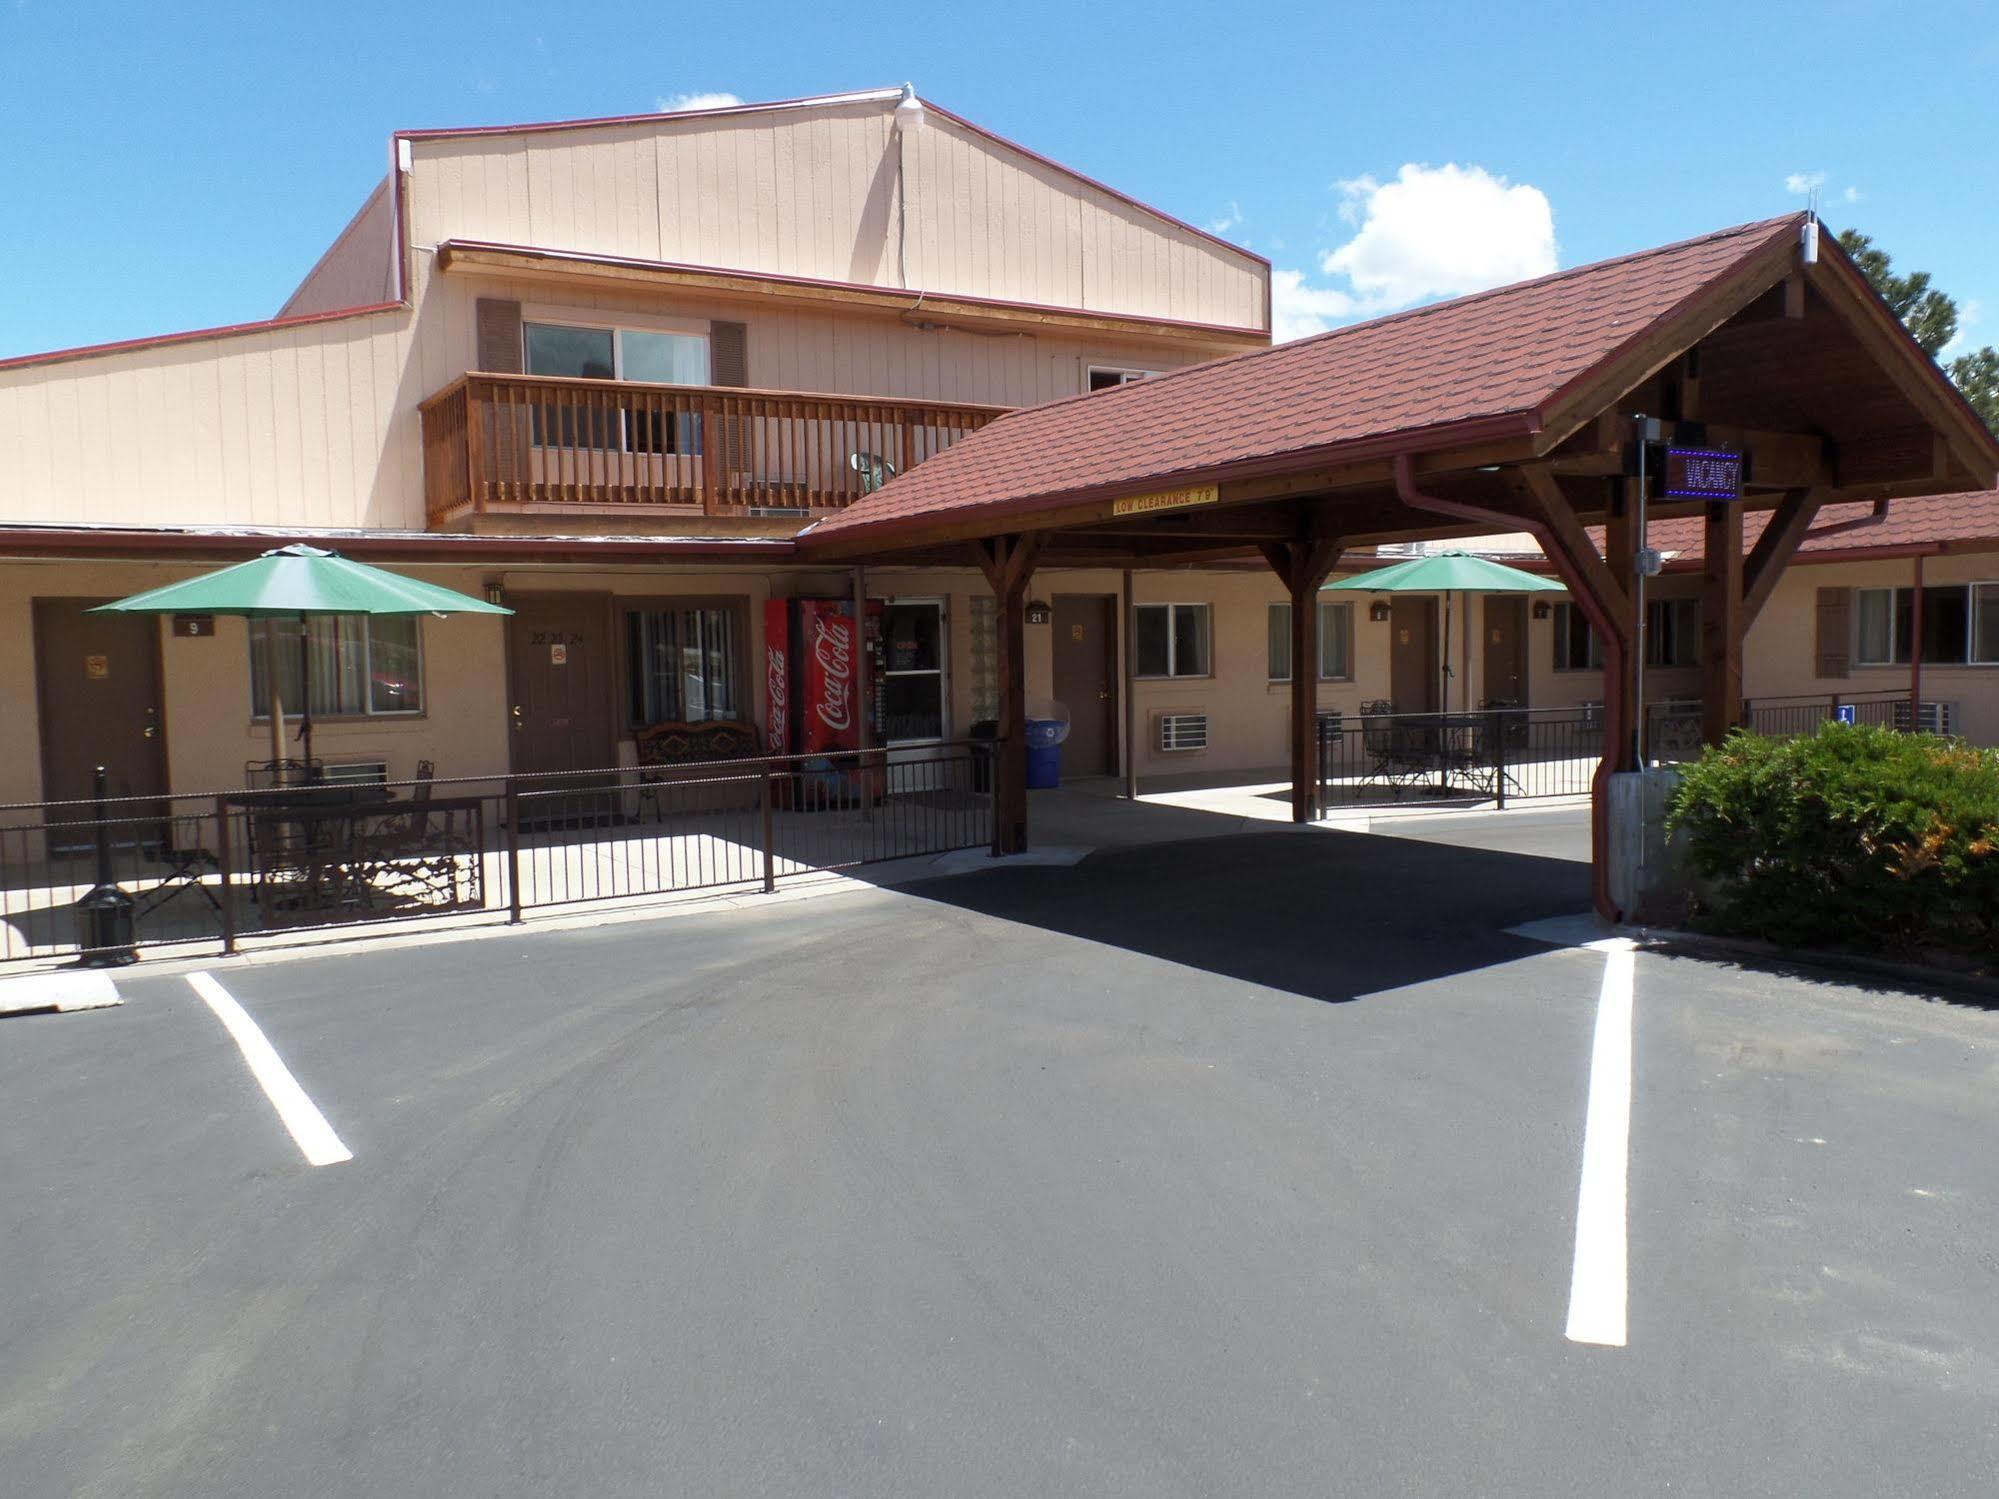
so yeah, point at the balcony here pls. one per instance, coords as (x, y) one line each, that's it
(524, 443)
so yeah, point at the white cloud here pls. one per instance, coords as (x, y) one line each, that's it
(1440, 232)
(1850, 195)
(1430, 232)
(1804, 184)
(1298, 310)
(1228, 220)
(669, 104)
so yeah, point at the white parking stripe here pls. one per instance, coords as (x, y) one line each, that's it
(309, 1128)
(1598, 1285)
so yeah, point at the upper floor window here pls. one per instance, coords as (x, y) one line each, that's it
(570, 351)
(1103, 377)
(1960, 625)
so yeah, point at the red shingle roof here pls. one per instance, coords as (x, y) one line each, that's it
(1925, 521)
(1494, 359)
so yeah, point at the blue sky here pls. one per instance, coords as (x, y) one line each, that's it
(173, 166)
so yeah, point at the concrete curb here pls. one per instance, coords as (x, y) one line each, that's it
(59, 990)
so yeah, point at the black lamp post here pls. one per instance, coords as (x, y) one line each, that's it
(104, 917)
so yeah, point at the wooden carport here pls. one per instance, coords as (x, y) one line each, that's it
(1513, 410)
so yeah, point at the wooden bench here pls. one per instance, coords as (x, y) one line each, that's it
(673, 753)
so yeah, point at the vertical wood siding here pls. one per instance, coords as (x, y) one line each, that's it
(317, 425)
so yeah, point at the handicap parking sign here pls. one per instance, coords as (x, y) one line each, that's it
(1844, 712)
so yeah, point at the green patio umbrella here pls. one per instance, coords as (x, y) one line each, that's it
(288, 584)
(1446, 573)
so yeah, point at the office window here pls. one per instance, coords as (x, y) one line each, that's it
(913, 670)
(1335, 642)
(1960, 625)
(1576, 645)
(360, 666)
(683, 665)
(1172, 640)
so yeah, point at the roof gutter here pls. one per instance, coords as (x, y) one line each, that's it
(1611, 637)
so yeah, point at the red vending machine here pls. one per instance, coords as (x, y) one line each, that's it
(812, 680)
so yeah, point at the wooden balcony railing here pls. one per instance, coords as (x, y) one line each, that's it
(509, 442)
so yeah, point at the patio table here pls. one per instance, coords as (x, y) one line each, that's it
(312, 832)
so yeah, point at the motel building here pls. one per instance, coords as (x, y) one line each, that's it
(674, 387)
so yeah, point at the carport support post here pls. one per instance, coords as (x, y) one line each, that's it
(1304, 566)
(1128, 663)
(1008, 563)
(1721, 621)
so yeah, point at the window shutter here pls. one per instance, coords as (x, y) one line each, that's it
(499, 334)
(729, 353)
(1835, 632)
(729, 364)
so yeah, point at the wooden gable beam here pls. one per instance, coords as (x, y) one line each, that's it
(1774, 549)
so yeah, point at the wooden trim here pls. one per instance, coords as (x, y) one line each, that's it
(1573, 554)
(1915, 374)
(1722, 622)
(1782, 535)
(957, 309)
(1668, 336)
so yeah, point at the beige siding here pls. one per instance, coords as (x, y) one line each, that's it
(316, 425)
(359, 269)
(818, 193)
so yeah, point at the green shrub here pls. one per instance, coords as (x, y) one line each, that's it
(1855, 837)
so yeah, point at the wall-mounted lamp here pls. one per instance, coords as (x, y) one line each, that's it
(496, 592)
(1541, 609)
(1038, 613)
(1378, 611)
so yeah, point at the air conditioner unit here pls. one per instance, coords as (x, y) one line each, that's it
(1182, 731)
(356, 772)
(1935, 718)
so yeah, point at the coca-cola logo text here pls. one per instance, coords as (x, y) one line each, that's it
(833, 649)
(777, 675)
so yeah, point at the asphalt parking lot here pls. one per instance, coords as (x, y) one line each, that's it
(1251, 1165)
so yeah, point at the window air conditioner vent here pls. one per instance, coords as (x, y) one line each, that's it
(353, 772)
(1182, 731)
(1936, 718)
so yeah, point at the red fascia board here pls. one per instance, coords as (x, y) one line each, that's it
(400, 230)
(147, 546)
(1352, 450)
(914, 294)
(452, 132)
(197, 335)
(859, 96)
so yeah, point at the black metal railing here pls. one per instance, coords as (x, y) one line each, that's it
(212, 870)
(1803, 713)
(1488, 754)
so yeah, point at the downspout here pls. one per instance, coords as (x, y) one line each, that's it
(1916, 649)
(1613, 653)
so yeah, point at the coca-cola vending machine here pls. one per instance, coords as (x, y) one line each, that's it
(812, 679)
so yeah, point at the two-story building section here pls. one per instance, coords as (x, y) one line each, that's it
(605, 371)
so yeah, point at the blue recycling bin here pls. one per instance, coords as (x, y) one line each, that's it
(1044, 753)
